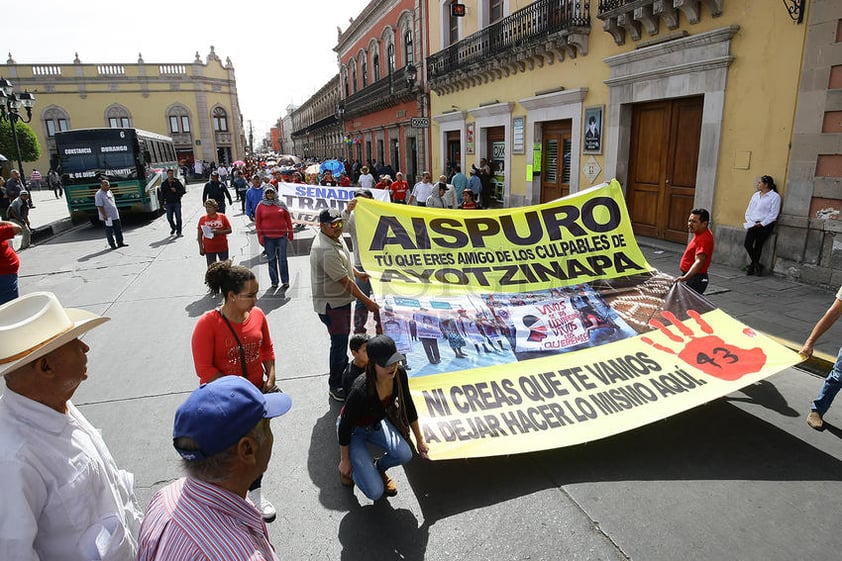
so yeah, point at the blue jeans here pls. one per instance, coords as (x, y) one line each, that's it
(338, 323)
(8, 287)
(114, 231)
(212, 258)
(367, 472)
(831, 387)
(276, 251)
(174, 209)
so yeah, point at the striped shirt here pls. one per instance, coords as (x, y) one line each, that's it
(190, 520)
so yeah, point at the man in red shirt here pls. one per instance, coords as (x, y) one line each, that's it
(399, 189)
(696, 259)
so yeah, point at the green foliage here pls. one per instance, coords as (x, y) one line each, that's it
(30, 150)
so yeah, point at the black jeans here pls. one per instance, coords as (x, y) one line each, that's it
(755, 238)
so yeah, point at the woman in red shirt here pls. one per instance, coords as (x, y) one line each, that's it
(214, 228)
(468, 199)
(234, 340)
(274, 232)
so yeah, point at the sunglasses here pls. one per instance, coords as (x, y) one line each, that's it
(337, 224)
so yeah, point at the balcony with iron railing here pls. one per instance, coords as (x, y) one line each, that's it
(395, 88)
(622, 18)
(543, 32)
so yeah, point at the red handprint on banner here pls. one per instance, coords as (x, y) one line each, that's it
(708, 353)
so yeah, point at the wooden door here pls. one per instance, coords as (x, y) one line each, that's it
(663, 158)
(555, 160)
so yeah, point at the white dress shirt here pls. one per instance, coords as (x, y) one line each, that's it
(64, 498)
(763, 208)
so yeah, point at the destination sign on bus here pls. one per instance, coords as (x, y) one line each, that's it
(123, 148)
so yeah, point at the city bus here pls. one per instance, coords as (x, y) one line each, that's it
(133, 160)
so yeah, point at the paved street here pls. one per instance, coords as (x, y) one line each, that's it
(740, 478)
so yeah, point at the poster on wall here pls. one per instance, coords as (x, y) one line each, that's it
(593, 130)
(518, 129)
(469, 138)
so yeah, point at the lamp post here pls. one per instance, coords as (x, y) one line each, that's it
(10, 104)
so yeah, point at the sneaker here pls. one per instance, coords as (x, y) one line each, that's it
(389, 487)
(285, 286)
(172, 231)
(337, 393)
(814, 419)
(346, 481)
(267, 510)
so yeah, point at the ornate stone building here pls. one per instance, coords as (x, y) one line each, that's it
(195, 103)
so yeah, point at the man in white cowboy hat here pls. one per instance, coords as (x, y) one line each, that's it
(63, 495)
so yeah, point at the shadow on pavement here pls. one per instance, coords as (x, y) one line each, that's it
(716, 441)
(272, 300)
(165, 241)
(323, 459)
(204, 304)
(766, 394)
(379, 531)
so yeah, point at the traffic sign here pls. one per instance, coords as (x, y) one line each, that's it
(419, 122)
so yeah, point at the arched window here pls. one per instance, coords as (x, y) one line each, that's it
(178, 119)
(390, 58)
(220, 120)
(376, 63)
(364, 67)
(55, 120)
(354, 76)
(408, 49)
(117, 117)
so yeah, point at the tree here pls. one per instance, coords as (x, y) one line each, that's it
(30, 150)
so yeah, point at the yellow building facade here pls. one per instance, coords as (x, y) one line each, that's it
(195, 103)
(686, 102)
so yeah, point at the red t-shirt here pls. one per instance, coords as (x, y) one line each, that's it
(701, 243)
(9, 261)
(216, 350)
(219, 242)
(399, 190)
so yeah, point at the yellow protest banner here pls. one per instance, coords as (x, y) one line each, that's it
(544, 326)
(414, 250)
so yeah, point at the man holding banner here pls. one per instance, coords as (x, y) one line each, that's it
(333, 287)
(833, 383)
(696, 259)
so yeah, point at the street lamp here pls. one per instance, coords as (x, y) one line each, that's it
(10, 104)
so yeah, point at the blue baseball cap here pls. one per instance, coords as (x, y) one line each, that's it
(218, 414)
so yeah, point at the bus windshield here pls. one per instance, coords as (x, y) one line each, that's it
(87, 158)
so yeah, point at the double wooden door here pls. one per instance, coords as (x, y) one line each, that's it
(663, 158)
(556, 147)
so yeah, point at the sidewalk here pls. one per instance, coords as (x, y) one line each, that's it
(778, 307)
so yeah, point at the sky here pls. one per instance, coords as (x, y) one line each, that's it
(282, 50)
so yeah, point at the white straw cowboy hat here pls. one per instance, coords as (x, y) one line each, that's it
(33, 325)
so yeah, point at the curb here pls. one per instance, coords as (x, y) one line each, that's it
(45, 232)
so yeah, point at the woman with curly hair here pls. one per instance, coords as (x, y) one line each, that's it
(234, 340)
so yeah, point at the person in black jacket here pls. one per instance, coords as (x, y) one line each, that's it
(171, 192)
(383, 390)
(216, 190)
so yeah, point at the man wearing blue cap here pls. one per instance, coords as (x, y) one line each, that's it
(222, 434)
